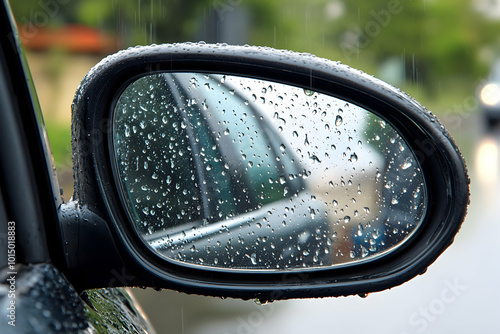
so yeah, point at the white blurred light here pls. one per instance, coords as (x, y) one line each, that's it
(487, 162)
(490, 94)
(334, 10)
(488, 8)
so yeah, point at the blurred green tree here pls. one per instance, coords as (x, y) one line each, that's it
(135, 21)
(433, 42)
(434, 39)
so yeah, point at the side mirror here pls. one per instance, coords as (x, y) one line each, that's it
(254, 173)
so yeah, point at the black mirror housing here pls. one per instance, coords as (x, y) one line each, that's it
(101, 216)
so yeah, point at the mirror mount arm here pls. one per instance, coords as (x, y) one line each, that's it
(91, 256)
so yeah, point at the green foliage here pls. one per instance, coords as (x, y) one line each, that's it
(135, 21)
(439, 44)
(60, 143)
(94, 12)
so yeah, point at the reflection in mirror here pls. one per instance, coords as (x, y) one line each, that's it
(239, 173)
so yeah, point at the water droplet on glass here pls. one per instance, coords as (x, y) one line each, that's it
(252, 257)
(127, 131)
(364, 252)
(306, 141)
(406, 164)
(360, 230)
(314, 159)
(308, 92)
(194, 82)
(338, 120)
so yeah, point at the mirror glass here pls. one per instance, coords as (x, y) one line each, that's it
(239, 173)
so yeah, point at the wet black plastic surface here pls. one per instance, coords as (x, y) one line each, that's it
(45, 302)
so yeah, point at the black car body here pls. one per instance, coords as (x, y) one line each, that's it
(35, 297)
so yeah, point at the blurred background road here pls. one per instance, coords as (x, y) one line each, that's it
(439, 52)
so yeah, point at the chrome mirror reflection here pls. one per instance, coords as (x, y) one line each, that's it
(239, 173)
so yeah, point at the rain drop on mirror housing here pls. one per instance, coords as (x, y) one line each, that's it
(249, 172)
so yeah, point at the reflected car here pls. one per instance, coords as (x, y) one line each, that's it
(214, 178)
